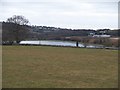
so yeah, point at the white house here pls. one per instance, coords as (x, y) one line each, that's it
(101, 36)
(97, 35)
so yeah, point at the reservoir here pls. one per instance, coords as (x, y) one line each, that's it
(59, 43)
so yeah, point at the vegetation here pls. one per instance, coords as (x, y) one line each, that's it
(108, 42)
(15, 29)
(56, 67)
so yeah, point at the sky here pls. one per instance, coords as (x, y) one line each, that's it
(74, 14)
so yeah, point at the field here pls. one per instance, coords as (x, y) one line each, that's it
(59, 67)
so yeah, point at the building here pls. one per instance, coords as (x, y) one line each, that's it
(101, 34)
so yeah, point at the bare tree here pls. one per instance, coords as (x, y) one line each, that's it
(19, 30)
(21, 20)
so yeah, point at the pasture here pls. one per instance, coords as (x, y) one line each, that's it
(58, 67)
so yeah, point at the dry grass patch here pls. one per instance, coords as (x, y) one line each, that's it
(54, 67)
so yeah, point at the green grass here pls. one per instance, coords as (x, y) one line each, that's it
(58, 67)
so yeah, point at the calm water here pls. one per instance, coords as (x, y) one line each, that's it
(59, 43)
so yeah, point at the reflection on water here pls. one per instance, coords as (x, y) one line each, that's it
(59, 43)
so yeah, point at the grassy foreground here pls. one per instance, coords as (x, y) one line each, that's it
(58, 67)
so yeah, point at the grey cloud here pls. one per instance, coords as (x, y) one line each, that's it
(63, 13)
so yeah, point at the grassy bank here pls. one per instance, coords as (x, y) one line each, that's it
(54, 67)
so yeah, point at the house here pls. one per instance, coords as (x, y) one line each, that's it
(100, 34)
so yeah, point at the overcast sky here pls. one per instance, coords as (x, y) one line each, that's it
(77, 14)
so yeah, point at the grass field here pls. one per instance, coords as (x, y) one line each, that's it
(59, 67)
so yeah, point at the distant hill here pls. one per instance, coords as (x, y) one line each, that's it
(45, 32)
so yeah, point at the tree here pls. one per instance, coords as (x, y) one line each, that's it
(21, 20)
(19, 30)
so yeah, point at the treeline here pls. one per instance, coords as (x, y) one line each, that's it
(44, 32)
(10, 33)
